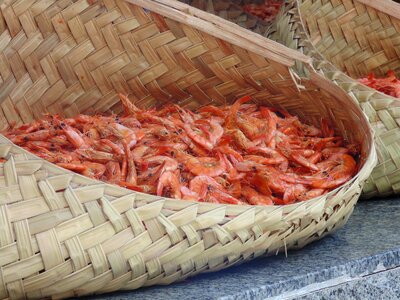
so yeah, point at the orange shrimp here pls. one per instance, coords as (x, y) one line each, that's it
(73, 167)
(201, 184)
(241, 140)
(187, 194)
(208, 166)
(158, 131)
(343, 169)
(274, 157)
(313, 193)
(129, 107)
(207, 188)
(227, 150)
(113, 171)
(131, 176)
(169, 179)
(94, 155)
(93, 170)
(110, 147)
(40, 135)
(255, 198)
(213, 110)
(231, 118)
(196, 136)
(131, 186)
(293, 193)
(74, 137)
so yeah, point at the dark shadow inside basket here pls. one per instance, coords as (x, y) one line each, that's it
(155, 60)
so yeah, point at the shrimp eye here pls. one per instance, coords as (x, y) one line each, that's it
(209, 187)
(62, 124)
(254, 168)
(151, 175)
(180, 130)
(25, 139)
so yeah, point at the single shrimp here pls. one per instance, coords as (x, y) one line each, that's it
(73, 136)
(47, 145)
(196, 136)
(59, 140)
(227, 150)
(255, 198)
(241, 140)
(201, 184)
(123, 133)
(273, 156)
(343, 169)
(158, 131)
(131, 176)
(213, 110)
(113, 171)
(209, 166)
(169, 164)
(169, 179)
(214, 132)
(207, 188)
(107, 146)
(293, 193)
(231, 118)
(313, 193)
(93, 170)
(94, 155)
(187, 194)
(129, 107)
(79, 168)
(40, 135)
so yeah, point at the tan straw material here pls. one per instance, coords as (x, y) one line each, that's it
(64, 235)
(352, 38)
(232, 11)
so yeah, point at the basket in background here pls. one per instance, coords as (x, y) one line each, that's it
(64, 235)
(347, 40)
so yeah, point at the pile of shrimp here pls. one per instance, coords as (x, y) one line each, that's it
(238, 154)
(389, 85)
(266, 11)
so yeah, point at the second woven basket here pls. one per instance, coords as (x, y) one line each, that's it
(348, 39)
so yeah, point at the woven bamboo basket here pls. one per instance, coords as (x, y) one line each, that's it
(64, 235)
(232, 10)
(348, 39)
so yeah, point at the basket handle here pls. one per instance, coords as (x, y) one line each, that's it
(223, 29)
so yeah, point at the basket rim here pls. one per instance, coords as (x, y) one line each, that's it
(212, 24)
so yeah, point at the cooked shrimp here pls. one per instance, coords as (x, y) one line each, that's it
(342, 170)
(169, 179)
(208, 166)
(255, 198)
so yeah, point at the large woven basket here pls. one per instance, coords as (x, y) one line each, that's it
(348, 39)
(64, 235)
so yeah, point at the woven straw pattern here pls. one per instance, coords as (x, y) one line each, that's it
(354, 37)
(64, 235)
(231, 11)
(383, 111)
